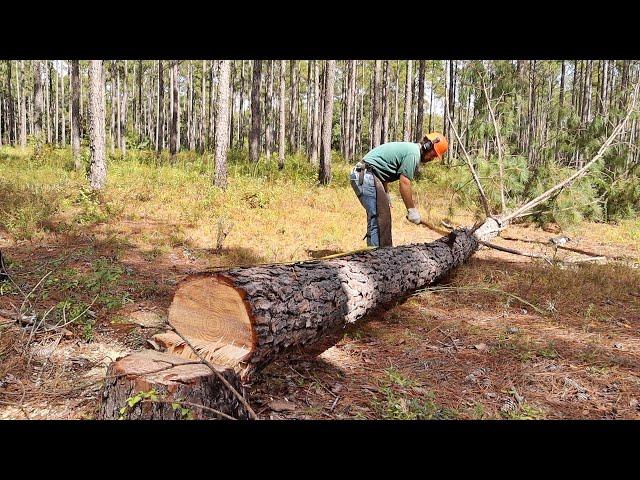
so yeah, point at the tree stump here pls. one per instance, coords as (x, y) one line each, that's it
(151, 385)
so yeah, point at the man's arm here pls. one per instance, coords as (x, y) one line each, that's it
(406, 192)
(407, 196)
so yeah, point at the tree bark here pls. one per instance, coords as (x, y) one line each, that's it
(98, 166)
(75, 114)
(222, 127)
(254, 141)
(174, 380)
(324, 174)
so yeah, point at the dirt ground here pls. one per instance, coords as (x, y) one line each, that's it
(503, 337)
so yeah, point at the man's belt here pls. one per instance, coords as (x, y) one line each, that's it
(361, 167)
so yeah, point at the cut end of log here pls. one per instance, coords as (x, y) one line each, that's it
(212, 315)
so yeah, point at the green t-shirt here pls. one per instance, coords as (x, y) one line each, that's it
(394, 158)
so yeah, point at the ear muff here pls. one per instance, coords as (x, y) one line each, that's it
(428, 144)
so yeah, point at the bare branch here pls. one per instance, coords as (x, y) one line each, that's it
(497, 130)
(483, 196)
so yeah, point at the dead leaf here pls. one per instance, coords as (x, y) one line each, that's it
(282, 406)
(481, 346)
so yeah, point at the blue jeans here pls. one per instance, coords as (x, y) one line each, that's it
(367, 195)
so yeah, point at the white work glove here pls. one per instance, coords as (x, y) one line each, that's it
(413, 216)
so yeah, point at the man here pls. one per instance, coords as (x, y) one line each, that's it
(387, 163)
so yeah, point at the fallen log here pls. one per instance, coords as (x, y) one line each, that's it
(178, 386)
(246, 317)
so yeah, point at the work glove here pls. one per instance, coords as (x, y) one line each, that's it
(413, 216)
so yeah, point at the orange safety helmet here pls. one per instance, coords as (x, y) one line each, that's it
(439, 143)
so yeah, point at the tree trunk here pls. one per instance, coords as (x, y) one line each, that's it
(112, 127)
(123, 112)
(75, 114)
(407, 102)
(431, 97)
(203, 108)
(263, 312)
(420, 116)
(23, 106)
(37, 102)
(268, 107)
(118, 107)
(222, 127)
(282, 117)
(173, 143)
(47, 100)
(10, 115)
(177, 382)
(63, 117)
(324, 175)
(160, 108)
(138, 100)
(241, 108)
(98, 166)
(377, 103)
(293, 67)
(396, 95)
(315, 136)
(385, 103)
(57, 111)
(254, 141)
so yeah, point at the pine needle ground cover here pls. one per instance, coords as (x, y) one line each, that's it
(475, 348)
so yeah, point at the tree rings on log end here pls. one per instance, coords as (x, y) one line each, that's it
(153, 385)
(212, 315)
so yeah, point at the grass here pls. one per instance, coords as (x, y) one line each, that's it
(400, 401)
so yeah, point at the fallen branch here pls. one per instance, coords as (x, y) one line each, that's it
(445, 288)
(517, 252)
(571, 249)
